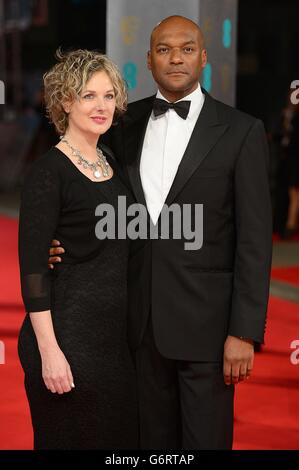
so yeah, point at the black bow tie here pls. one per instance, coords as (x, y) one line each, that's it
(181, 107)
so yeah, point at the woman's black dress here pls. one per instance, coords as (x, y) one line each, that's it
(86, 294)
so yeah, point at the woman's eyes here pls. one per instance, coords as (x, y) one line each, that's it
(90, 96)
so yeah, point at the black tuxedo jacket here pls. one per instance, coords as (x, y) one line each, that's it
(197, 298)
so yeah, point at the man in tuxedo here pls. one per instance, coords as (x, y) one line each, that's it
(194, 315)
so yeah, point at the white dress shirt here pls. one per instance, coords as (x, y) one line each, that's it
(165, 142)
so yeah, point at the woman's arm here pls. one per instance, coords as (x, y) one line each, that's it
(56, 370)
(39, 215)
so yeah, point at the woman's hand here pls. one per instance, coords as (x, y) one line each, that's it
(56, 371)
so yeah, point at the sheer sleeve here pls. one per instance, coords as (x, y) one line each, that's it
(39, 213)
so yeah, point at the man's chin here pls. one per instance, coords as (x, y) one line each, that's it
(177, 86)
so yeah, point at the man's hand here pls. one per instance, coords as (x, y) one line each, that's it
(55, 250)
(237, 360)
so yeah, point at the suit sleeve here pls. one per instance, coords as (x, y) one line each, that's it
(253, 216)
(39, 213)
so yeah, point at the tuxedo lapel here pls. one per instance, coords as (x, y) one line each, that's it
(206, 133)
(135, 128)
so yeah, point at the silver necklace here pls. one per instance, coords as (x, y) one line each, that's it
(99, 168)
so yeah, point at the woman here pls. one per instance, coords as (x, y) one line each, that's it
(79, 376)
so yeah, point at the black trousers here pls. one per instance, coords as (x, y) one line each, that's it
(182, 404)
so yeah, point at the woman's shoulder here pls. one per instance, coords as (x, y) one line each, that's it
(49, 160)
(46, 167)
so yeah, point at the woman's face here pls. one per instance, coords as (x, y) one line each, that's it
(92, 113)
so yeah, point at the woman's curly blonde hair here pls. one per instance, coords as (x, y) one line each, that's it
(67, 78)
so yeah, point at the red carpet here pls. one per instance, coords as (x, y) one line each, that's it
(15, 428)
(287, 274)
(267, 406)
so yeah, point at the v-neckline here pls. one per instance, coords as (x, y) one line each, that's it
(77, 169)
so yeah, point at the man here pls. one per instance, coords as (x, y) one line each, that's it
(194, 315)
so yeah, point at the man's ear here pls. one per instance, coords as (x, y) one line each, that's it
(149, 60)
(204, 57)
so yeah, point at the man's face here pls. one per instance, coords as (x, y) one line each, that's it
(177, 57)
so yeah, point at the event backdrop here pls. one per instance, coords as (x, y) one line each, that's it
(129, 25)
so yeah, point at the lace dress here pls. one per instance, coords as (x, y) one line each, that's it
(87, 296)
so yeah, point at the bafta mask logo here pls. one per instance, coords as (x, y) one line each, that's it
(225, 77)
(129, 27)
(227, 33)
(207, 29)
